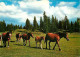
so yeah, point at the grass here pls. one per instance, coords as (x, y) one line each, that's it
(16, 49)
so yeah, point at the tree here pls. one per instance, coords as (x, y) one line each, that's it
(45, 23)
(35, 24)
(66, 23)
(20, 27)
(41, 24)
(10, 27)
(60, 25)
(2, 26)
(53, 24)
(27, 26)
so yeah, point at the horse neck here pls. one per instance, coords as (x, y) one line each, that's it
(41, 38)
(7, 34)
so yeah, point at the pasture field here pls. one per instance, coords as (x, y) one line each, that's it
(16, 49)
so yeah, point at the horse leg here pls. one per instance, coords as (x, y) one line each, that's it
(8, 42)
(54, 46)
(41, 45)
(17, 39)
(4, 42)
(24, 42)
(36, 44)
(29, 42)
(49, 45)
(58, 46)
(46, 44)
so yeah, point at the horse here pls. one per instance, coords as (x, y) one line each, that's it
(26, 37)
(39, 39)
(6, 37)
(55, 38)
(18, 36)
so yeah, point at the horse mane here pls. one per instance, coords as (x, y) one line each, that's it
(61, 34)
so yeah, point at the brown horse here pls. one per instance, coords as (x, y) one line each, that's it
(6, 37)
(55, 38)
(18, 36)
(39, 39)
(26, 37)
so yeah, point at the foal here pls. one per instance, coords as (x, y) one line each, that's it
(39, 39)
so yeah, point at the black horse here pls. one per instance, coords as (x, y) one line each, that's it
(6, 37)
(18, 36)
(26, 37)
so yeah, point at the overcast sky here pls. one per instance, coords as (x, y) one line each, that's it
(17, 11)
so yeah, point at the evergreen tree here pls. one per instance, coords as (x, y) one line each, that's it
(45, 23)
(66, 23)
(2, 26)
(20, 27)
(35, 24)
(41, 24)
(60, 25)
(54, 24)
(27, 24)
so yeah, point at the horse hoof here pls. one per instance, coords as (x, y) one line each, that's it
(24, 45)
(49, 49)
(59, 49)
(53, 49)
(8, 46)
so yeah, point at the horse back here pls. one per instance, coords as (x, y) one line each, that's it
(25, 36)
(52, 37)
(4, 37)
(37, 38)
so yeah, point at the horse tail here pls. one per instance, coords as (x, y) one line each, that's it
(35, 38)
(46, 38)
(0, 39)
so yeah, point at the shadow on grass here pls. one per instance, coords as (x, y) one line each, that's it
(1, 46)
(18, 44)
(37, 47)
(12, 41)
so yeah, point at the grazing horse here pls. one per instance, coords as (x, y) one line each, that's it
(18, 36)
(39, 39)
(55, 38)
(6, 37)
(26, 37)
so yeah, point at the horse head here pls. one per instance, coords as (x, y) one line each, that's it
(8, 34)
(30, 34)
(66, 36)
(43, 38)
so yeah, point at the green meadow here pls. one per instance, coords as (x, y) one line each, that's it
(16, 49)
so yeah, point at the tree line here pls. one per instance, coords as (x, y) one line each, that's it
(46, 25)
(8, 27)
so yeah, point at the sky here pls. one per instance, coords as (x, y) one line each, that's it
(17, 11)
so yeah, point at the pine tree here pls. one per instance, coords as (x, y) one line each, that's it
(27, 24)
(2, 26)
(60, 25)
(45, 23)
(41, 24)
(35, 24)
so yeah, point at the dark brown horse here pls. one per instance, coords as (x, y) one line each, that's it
(6, 37)
(55, 38)
(18, 36)
(39, 39)
(26, 37)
